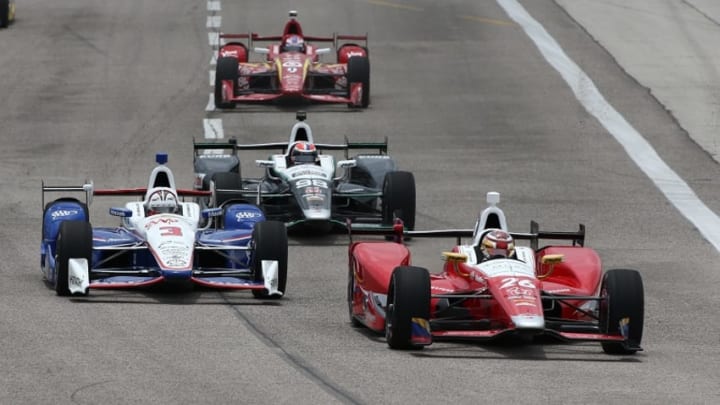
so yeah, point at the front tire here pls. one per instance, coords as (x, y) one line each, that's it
(226, 69)
(398, 200)
(408, 307)
(622, 310)
(271, 243)
(358, 71)
(74, 241)
(4, 13)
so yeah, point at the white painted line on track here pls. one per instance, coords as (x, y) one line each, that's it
(213, 128)
(214, 21)
(675, 189)
(213, 6)
(214, 39)
(211, 103)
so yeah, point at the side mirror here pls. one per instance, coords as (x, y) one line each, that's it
(263, 51)
(454, 257)
(211, 212)
(121, 212)
(346, 164)
(265, 163)
(547, 265)
(552, 259)
(322, 51)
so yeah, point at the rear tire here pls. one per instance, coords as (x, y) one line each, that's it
(398, 199)
(271, 243)
(408, 302)
(226, 181)
(622, 308)
(74, 241)
(358, 71)
(226, 69)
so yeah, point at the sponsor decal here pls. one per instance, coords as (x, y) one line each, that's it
(495, 268)
(309, 172)
(157, 221)
(517, 292)
(246, 215)
(443, 289)
(355, 53)
(513, 281)
(63, 213)
(214, 156)
(292, 66)
(75, 281)
(226, 53)
(173, 254)
(308, 182)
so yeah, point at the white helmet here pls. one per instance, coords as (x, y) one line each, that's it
(162, 200)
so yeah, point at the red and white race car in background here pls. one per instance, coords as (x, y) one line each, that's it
(291, 69)
(558, 290)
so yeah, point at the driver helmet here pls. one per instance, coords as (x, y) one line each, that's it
(303, 153)
(294, 43)
(497, 243)
(162, 200)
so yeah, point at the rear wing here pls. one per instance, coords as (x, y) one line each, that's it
(232, 145)
(398, 232)
(336, 39)
(89, 189)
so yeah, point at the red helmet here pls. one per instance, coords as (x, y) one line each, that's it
(497, 243)
(303, 152)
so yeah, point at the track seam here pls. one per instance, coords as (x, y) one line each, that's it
(296, 361)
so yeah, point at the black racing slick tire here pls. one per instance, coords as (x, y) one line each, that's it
(74, 241)
(4, 13)
(226, 181)
(226, 69)
(622, 310)
(408, 303)
(271, 243)
(398, 200)
(358, 71)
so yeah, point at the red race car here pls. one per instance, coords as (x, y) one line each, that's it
(492, 288)
(292, 69)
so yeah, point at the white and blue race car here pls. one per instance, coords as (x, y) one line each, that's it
(161, 239)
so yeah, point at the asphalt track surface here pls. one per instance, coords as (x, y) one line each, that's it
(92, 89)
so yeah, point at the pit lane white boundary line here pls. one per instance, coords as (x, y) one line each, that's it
(675, 189)
(213, 127)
